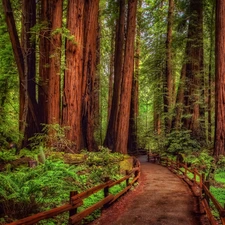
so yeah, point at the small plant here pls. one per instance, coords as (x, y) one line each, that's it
(51, 138)
(181, 142)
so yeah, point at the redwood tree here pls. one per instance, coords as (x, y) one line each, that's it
(89, 73)
(219, 146)
(72, 98)
(44, 59)
(168, 83)
(26, 69)
(126, 85)
(54, 62)
(110, 138)
(194, 69)
(132, 139)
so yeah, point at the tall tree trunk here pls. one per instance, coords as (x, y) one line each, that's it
(126, 86)
(89, 72)
(72, 99)
(110, 138)
(28, 46)
(54, 62)
(97, 85)
(19, 58)
(111, 72)
(44, 60)
(210, 83)
(219, 146)
(132, 140)
(180, 100)
(169, 80)
(194, 68)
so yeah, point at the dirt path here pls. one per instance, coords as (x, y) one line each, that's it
(161, 198)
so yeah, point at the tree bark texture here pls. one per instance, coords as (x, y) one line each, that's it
(219, 146)
(126, 86)
(19, 58)
(132, 140)
(54, 96)
(110, 138)
(194, 68)
(169, 80)
(72, 99)
(28, 43)
(44, 66)
(89, 72)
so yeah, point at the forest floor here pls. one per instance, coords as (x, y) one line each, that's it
(160, 198)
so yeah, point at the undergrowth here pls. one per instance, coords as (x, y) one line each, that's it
(30, 190)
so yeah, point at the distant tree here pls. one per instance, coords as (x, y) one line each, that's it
(194, 70)
(169, 79)
(219, 143)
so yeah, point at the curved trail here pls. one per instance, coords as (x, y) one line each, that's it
(161, 198)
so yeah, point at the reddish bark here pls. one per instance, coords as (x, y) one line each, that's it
(72, 98)
(19, 58)
(44, 49)
(29, 48)
(89, 72)
(110, 138)
(169, 80)
(132, 140)
(128, 70)
(54, 62)
(219, 146)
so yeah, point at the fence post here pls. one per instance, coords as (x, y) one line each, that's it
(106, 189)
(185, 167)
(202, 179)
(207, 184)
(106, 192)
(72, 211)
(127, 180)
(195, 176)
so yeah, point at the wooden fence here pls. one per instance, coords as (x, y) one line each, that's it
(199, 186)
(76, 200)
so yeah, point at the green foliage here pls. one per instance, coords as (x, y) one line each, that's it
(202, 160)
(51, 138)
(102, 163)
(30, 190)
(8, 87)
(7, 155)
(219, 194)
(181, 142)
(220, 176)
(221, 163)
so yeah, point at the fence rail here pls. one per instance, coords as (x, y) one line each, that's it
(199, 186)
(76, 200)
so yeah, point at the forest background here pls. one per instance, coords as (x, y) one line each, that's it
(106, 76)
(128, 75)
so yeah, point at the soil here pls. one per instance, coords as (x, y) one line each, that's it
(161, 198)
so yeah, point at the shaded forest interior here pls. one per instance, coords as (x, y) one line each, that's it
(126, 75)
